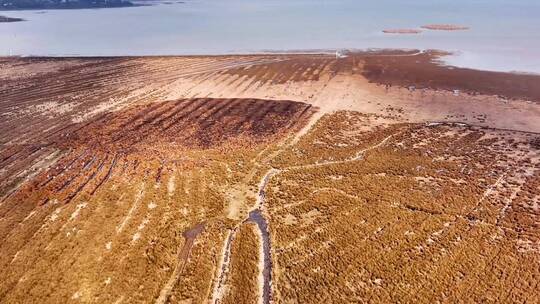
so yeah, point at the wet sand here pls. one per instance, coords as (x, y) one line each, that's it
(257, 217)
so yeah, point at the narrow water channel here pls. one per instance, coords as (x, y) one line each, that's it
(257, 217)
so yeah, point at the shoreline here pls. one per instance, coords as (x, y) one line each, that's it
(444, 58)
(322, 51)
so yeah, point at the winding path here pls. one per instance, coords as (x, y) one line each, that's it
(224, 269)
(190, 236)
(257, 215)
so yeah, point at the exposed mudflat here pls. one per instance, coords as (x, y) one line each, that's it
(392, 173)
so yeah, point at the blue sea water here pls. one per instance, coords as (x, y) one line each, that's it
(504, 35)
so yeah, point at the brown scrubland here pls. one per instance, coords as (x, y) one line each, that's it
(430, 215)
(445, 27)
(379, 177)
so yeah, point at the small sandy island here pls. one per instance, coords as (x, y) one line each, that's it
(402, 31)
(9, 19)
(445, 27)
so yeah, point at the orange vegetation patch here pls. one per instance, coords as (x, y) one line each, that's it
(448, 206)
(108, 214)
(101, 186)
(163, 130)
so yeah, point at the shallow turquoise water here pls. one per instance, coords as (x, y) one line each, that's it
(504, 35)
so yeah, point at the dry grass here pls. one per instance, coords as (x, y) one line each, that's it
(419, 219)
(243, 279)
(107, 219)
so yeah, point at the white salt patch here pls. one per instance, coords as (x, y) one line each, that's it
(55, 214)
(77, 211)
(76, 295)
